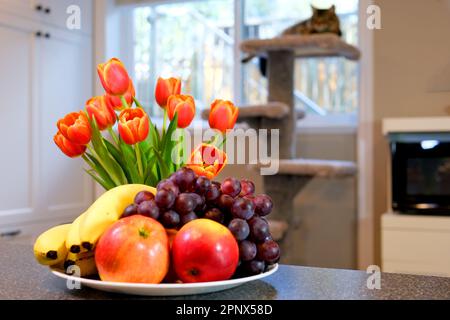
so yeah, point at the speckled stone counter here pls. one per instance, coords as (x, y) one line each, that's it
(22, 278)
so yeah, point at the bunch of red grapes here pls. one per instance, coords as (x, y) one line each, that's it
(184, 197)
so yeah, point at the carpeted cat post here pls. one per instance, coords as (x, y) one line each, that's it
(280, 113)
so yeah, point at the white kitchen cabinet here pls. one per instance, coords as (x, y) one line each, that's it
(415, 244)
(46, 73)
(52, 13)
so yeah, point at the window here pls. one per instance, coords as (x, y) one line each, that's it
(196, 41)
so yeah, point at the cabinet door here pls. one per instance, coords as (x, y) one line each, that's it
(56, 13)
(23, 8)
(18, 175)
(65, 73)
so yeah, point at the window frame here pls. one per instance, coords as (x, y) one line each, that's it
(345, 123)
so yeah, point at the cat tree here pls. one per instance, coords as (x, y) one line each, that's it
(280, 113)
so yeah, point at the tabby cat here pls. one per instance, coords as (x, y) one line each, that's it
(321, 21)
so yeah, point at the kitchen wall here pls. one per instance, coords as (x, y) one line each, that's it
(411, 74)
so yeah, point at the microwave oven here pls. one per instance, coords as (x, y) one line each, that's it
(420, 173)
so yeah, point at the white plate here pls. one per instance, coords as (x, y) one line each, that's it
(164, 289)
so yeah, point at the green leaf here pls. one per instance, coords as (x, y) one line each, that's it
(130, 163)
(117, 155)
(99, 180)
(105, 158)
(168, 144)
(98, 168)
(162, 165)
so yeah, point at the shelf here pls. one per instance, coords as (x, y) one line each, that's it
(315, 168)
(318, 45)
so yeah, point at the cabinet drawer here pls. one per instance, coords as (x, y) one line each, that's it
(422, 247)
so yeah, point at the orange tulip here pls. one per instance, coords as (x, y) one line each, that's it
(223, 115)
(116, 103)
(75, 127)
(70, 149)
(114, 77)
(184, 106)
(104, 115)
(133, 125)
(165, 88)
(207, 160)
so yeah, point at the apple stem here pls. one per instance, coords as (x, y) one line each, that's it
(143, 233)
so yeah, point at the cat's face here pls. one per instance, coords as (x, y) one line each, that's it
(322, 18)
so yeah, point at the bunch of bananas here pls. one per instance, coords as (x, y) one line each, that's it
(74, 243)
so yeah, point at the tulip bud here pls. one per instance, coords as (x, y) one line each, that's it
(184, 106)
(165, 88)
(116, 103)
(133, 125)
(75, 127)
(114, 77)
(70, 149)
(104, 115)
(223, 115)
(207, 160)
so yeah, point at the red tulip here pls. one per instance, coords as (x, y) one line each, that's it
(184, 106)
(114, 77)
(116, 103)
(165, 88)
(103, 114)
(207, 160)
(70, 149)
(223, 115)
(133, 125)
(75, 127)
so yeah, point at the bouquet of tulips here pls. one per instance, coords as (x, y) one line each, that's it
(139, 152)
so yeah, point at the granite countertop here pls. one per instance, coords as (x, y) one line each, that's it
(22, 278)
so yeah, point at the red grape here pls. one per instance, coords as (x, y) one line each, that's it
(165, 198)
(198, 200)
(268, 251)
(185, 203)
(247, 187)
(214, 214)
(263, 204)
(168, 185)
(170, 219)
(254, 267)
(239, 228)
(247, 250)
(242, 208)
(143, 196)
(259, 229)
(184, 178)
(129, 211)
(213, 193)
(225, 202)
(148, 209)
(202, 185)
(188, 217)
(231, 186)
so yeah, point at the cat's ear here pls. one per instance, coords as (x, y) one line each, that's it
(314, 9)
(333, 8)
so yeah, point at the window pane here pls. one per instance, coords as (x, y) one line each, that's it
(331, 84)
(191, 40)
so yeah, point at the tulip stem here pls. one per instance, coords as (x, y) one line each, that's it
(138, 104)
(124, 102)
(164, 121)
(139, 159)
(113, 135)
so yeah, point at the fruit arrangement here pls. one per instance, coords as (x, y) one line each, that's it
(189, 228)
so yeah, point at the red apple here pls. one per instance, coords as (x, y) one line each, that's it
(133, 249)
(204, 250)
